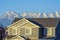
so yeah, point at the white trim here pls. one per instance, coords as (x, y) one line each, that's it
(15, 31)
(23, 23)
(9, 31)
(15, 22)
(34, 25)
(27, 22)
(17, 36)
(12, 31)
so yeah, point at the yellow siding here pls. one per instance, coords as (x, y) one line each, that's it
(20, 29)
(12, 31)
(51, 32)
(9, 31)
(18, 23)
(16, 26)
(34, 34)
(29, 25)
(17, 38)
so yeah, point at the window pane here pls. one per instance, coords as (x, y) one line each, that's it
(14, 31)
(10, 31)
(49, 32)
(28, 31)
(45, 31)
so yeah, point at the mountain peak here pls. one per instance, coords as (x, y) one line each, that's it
(11, 15)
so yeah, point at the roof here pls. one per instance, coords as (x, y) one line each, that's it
(47, 22)
(18, 23)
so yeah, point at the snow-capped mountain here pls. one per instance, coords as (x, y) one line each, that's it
(40, 15)
(9, 16)
(57, 14)
(30, 15)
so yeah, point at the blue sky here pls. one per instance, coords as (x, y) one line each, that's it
(20, 6)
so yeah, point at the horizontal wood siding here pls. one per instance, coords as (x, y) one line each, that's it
(18, 31)
(52, 32)
(34, 39)
(34, 32)
(22, 31)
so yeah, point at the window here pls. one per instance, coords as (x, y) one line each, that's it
(10, 31)
(13, 31)
(45, 31)
(49, 32)
(28, 31)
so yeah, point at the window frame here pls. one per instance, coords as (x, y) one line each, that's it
(11, 33)
(29, 32)
(15, 31)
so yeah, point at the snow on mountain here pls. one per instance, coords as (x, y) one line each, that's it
(31, 15)
(9, 16)
(40, 15)
(51, 15)
(44, 15)
(57, 15)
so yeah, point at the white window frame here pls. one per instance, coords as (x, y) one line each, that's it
(29, 32)
(15, 32)
(9, 31)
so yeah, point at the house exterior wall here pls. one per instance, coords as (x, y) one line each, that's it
(11, 31)
(7, 39)
(21, 30)
(21, 26)
(50, 31)
(34, 34)
(41, 33)
(34, 30)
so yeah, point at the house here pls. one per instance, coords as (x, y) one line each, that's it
(31, 28)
